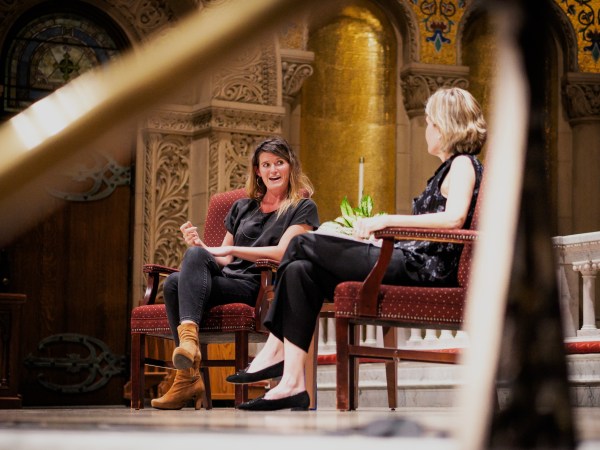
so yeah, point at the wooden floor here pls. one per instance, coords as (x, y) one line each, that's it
(115, 428)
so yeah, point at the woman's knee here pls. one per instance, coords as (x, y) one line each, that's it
(170, 286)
(299, 269)
(303, 239)
(196, 255)
(296, 247)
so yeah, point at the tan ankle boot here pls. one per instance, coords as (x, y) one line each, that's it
(188, 385)
(188, 352)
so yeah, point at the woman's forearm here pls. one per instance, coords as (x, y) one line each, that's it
(444, 219)
(365, 227)
(255, 253)
(228, 251)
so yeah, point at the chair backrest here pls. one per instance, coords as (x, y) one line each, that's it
(464, 264)
(218, 207)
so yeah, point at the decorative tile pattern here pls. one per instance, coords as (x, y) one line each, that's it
(583, 15)
(438, 23)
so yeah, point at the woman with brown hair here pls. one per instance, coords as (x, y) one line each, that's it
(259, 226)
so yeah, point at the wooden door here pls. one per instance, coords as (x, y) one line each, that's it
(74, 268)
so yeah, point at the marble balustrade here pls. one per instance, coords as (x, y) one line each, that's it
(407, 338)
(578, 262)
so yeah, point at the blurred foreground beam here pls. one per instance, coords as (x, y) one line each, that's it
(538, 411)
(60, 125)
(513, 315)
(492, 259)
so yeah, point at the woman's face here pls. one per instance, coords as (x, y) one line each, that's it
(433, 138)
(274, 172)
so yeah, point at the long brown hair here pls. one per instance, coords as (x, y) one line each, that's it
(299, 186)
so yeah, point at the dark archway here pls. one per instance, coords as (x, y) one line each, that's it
(74, 264)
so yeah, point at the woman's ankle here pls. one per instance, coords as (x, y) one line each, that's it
(283, 390)
(260, 363)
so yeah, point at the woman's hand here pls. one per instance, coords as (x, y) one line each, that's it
(224, 250)
(190, 235)
(364, 227)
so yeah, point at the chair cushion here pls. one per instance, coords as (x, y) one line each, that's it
(404, 304)
(152, 319)
(231, 317)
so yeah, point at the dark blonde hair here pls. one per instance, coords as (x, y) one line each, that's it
(299, 186)
(458, 117)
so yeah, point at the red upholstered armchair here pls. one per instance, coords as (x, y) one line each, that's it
(371, 303)
(235, 322)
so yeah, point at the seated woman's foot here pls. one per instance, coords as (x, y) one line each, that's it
(296, 402)
(245, 377)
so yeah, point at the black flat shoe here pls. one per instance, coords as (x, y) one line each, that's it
(298, 402)
(243, 377)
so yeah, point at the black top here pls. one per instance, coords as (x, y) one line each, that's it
(251, 227)
(430, 262)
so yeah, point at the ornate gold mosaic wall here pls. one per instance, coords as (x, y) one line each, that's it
(438, 22)
(583, 16)
(349, 109)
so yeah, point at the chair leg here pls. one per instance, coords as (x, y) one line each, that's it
(137, 370)
(341, 365)
(353, 366)
(390, 340)
(241, 362)
(205, 373)
(310, 371)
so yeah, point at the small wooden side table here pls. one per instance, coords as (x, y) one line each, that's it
(10, 327)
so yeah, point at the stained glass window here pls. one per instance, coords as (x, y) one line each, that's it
(52, 49)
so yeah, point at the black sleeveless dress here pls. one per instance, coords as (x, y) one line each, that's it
(431, 263)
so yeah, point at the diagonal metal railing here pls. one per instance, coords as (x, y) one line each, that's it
(59, 126)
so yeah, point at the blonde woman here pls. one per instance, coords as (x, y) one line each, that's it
(259, 226)
(315, 263)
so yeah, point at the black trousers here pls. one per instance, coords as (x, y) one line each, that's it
(200, 285)
(313, 265)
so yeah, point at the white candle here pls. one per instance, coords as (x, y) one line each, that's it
(361, 178)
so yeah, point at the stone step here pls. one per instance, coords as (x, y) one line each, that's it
(434, 385)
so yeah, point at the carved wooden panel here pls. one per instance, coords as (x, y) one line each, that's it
(165, 197)
(249, 77)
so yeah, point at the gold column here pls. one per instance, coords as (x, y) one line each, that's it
(479, 53)
(349, 109)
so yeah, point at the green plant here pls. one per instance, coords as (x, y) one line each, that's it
(345, 223)
(350, 215)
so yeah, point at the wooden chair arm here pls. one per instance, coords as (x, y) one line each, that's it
(266, 293)
(367, 305)
(267, 264)
(158, 269)
(154, 272)
(370, 288)
(429, 234)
